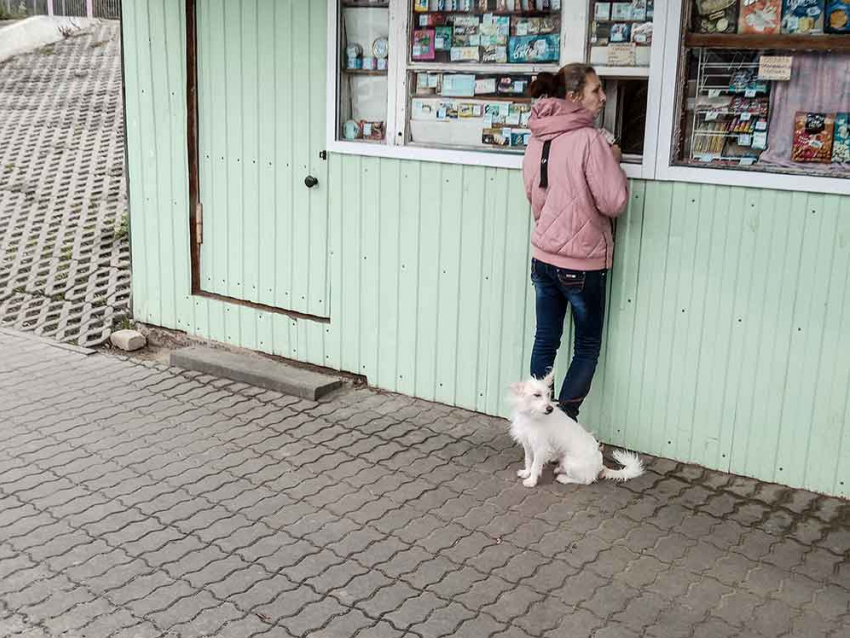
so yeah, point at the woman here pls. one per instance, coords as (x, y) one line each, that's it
(575, 185)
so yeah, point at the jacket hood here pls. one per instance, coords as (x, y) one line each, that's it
(551, 117)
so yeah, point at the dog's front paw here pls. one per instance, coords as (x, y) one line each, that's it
(530, 481)
(523, 474)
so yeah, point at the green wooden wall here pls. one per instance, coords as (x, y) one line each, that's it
(728, 333)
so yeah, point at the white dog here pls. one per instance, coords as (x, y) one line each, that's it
(547, 434)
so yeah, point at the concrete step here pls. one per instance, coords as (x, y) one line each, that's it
(256, 370)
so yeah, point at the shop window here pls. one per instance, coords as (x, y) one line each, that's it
(363, 71)
(765, 86)
(422, 77)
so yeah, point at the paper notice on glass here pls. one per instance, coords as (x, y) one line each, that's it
(622, 54)
(775, 67)
(458, 85)
(485, 86)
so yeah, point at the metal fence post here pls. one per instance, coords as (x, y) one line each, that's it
(89, 8)
(50, 7)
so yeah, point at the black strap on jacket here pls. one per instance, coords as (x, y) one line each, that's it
(544, 165)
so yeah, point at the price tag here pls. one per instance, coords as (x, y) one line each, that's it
(761, 125)
(745, 117)
(750, 93)
(745, 140)
(747, 161)
(706, 158)
(713, 92)
(711, 116)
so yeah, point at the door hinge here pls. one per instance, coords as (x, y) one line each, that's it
(199, 223)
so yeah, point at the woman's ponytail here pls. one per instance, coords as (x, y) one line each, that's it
(547, 85)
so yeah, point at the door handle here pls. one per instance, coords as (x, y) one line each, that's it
(310, 181)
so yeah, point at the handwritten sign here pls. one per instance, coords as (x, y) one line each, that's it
(775, 67)
(622, 54)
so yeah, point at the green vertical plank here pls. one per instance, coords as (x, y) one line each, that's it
(351, 255)
(429, 276)
(649, 306)
(822, 456)
(317, 272)
(492, 209)
(800, 237)
(497, 201)
(408, 239)
(707, 444)
(247, 327)
(757, 278)
(371, 315)
(700, 323)
(809, 319)
(148, 176)
(335, 220)
(234, 131)
(132, 34)
(161, 140)
(254, 216)
(742, 319)
(201, 317)
(281, 333)
(391, 200)
(678, 415)
(179, 218)
(452, 189)
(468, 383)
(216, 195)
(300, 30)
(268, 245)
(619, 335)
(511, 366)
(264, 332)
(285, 123)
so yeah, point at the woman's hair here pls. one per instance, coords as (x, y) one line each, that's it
(570, 79)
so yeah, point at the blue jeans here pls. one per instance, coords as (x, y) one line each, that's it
(584, 291)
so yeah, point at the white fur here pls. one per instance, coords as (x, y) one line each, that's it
(547, 434)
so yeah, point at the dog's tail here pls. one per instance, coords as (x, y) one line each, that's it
(632, 467)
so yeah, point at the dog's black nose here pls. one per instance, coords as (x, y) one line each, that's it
(549, 409)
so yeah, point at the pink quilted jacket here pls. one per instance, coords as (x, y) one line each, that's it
(586, 187)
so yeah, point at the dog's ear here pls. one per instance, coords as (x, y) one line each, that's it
(549, 379)
(517, 388)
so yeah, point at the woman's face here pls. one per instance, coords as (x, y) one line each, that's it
(592, 96)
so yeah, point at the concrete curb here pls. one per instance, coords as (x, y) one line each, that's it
(257, 371)
(27, 35)
(50, 342)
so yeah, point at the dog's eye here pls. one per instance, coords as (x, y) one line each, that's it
(538, 395)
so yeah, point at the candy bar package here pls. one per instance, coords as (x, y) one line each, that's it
(716, 16)
(802, 16)
(837, 16)
(760, 16)
(841, 139)
(812, 137)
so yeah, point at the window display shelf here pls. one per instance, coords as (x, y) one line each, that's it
(350, 4)
(757, 42)
(364, 72)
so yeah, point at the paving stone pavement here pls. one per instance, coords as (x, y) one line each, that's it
(140, 500)
(64, 249)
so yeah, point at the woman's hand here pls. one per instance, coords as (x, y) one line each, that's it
(618, 154)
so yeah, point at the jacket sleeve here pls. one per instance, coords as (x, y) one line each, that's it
(605, 178)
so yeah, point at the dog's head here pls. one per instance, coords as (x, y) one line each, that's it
(534, 396)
